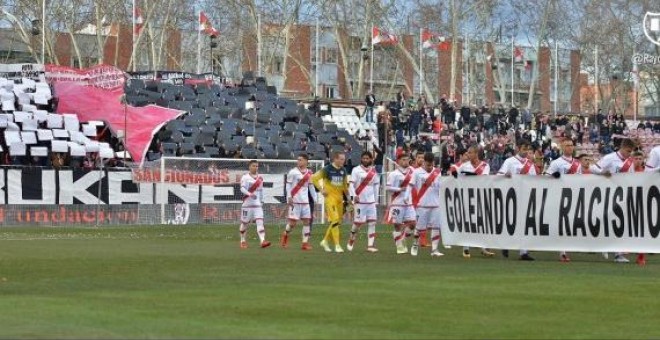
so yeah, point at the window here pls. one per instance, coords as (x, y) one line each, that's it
(331, 56)
(277, 65)
(330, 92)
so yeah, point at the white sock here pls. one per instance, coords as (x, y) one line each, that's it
(562, 253)
(305, 233)
(398, 238)
(243, 230)
(523, 252)
(416, 235)
(371, 231)
(287, 228)
(261, 231)
(409, 231)
(435, 239)
(354, 230)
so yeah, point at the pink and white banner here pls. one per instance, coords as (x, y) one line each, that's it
(103, 76)
(96, 103)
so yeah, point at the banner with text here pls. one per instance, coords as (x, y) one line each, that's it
(575, 213)
(43, 186)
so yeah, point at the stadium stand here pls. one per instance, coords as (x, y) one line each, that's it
(31, 134)
(248, 121)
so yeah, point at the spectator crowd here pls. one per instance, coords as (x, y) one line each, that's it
(447, 129)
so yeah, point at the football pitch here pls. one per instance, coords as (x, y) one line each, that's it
(195, 282)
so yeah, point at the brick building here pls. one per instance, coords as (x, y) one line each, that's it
(117, 48)
(394, 72)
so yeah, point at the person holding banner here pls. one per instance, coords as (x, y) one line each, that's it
(401, 212)
(474, 166)
(618, 161)
(612, 163)
(565, 165)
(428, 184)
(653, 162)
(638, 164)
(418, 168)
(462, 158)
(332, 182)
(585, 163)
(298, 189)
(519, 165)
(363, 189)
(252, 187)
(638, 161)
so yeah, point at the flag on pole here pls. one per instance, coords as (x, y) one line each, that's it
(138, 21)
(444, 46)
(206, 26)
(518, 54)
(431, 40)
(382, 37)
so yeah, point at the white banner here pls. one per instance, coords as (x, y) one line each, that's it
(575, 213)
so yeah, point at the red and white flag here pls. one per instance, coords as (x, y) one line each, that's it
(138, 21)
(206, 26)
(518, 54)
(431, 40)
(381, 37)
(444, 46)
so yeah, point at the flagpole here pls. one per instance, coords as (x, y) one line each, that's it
(421, 61)
(316, 60)
(556, 76)
(596, 80)
(259, 45)
(199, 43)
(371, 64)
(513, 57)
(636, 80)
(467, 67)
(43, 32)
(133, 36)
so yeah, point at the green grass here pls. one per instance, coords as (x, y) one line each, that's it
(194, 282)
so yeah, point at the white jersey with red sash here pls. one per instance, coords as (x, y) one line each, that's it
(454, 167)
(564, 165)
(517, 166)
(299, 185)
(480, 170)
(252, 185)
(400, 179)
(415, 196)
(614, 163)
(428, 188)
(401, 210)
(653, 161)
(364, 184)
